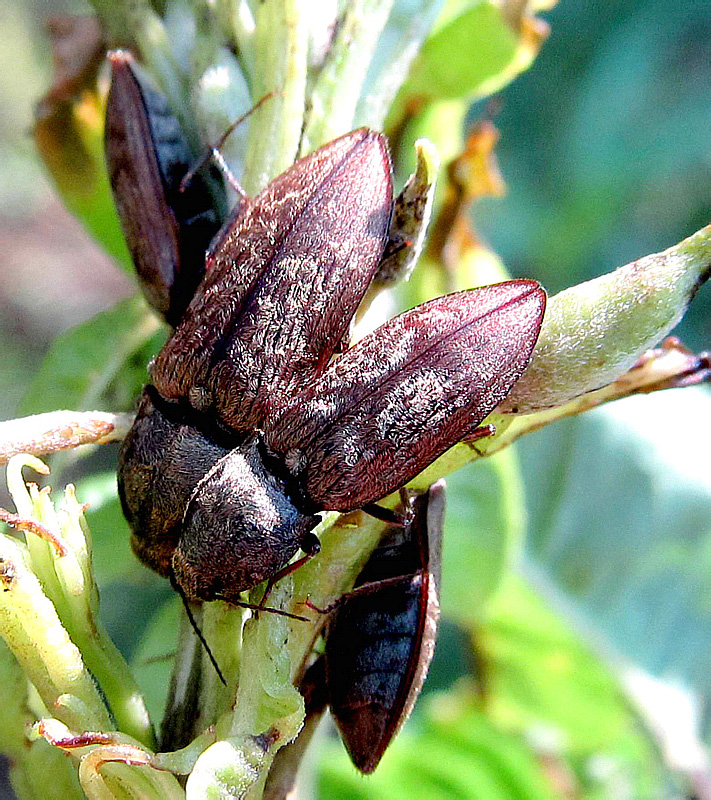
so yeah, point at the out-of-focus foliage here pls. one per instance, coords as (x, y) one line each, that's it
(605, 147)
(98, 364)
(620, 503)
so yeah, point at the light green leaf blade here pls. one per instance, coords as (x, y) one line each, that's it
(100, 364)
(542, 679)
(442, 760)
(621, 523)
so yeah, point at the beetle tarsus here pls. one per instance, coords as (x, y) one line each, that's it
(388, 515)
(480, 432)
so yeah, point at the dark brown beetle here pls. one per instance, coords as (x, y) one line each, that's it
(380, 640)
(167, 229)
(200, 422)
(249, 430)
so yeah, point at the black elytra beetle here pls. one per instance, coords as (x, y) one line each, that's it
(250, 428)
(167, 229)
(380, 640)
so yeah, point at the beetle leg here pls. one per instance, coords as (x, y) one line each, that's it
(480, 432)
(388, 515)
(311, 546)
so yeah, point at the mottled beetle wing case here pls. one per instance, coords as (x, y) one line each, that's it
(282, 284)
(403, 395)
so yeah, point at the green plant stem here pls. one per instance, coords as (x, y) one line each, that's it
(332, 109)
(594, 332)
(280, 62)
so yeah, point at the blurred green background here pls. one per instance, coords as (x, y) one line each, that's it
(605, 145)
(606, 152)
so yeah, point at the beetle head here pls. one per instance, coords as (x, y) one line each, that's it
(240, 526)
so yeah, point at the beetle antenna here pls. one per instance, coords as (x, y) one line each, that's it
(213, 152)
(196, 628)
(268, 609)
(252, 606)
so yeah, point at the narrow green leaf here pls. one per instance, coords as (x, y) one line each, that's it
(100, 364)
(483, 532)
(459, 60)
